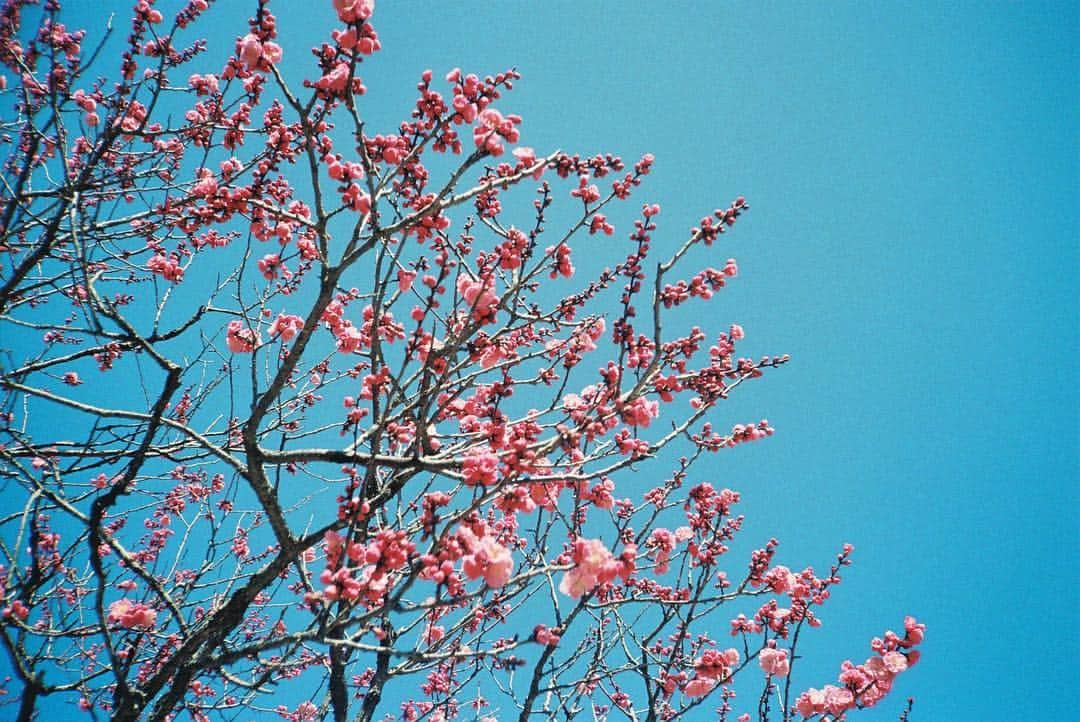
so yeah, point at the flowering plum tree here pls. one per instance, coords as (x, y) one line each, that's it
(298, 423)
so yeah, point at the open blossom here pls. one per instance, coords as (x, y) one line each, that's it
(488, 559)
(167, 267)
(641, 411)
(527, 159)
(286, 326)
(594, 564)
(405, 280)
(350, 11)
(492, 128)
(251, 51)
(479, 297)
(545, 635)
(774, 661)
(699, 687)
(336, 80)
(203, 84)
(269, 265)
(240, 338)
(132, 615)
(480, 467)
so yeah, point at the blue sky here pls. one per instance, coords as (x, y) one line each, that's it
(912, 243)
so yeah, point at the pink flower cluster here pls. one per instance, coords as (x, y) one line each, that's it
(711, 668)
(351, 11)
(493, 128)
(662, 543)
(132, 615)
(257, 54)
(16, 609)
(641, 411)
(481, 300)
(594, 565)
(270, 265)
(480, 467)
(866, 684)
(774, 661)
(546, 635)
(240, 338)
(168, 267)
(286, 326)
(89, 106)
(703, 285)
(375, 561)
(486, 558)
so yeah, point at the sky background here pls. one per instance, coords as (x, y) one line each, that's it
(912, 243)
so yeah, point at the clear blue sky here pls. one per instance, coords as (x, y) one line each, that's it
(913, 174)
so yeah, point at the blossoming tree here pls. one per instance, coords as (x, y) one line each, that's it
(297, 421)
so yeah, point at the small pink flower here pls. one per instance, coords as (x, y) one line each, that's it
(546, 636)
(699, 687)
(132, 615)
(286, 326)
(488, 559)
(17, 610)
(527, 159)
(269, 265)
(249, 49)
(405, 280)
(593, 565)
(774, 661)
(895, 662)
(350, 11)
(240, 338)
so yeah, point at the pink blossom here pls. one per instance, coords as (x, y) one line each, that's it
(838, 699)
(351, 11)
(699, 687)
(545, 635)
(131, 615)
(269, 265)
(488, 559)
(593, 565)
(336, 80)
(480, 467)
(253, 51)
(405, 280)
(774, 661)
(250, 50)
(272, 52)
(167, 267)
(716, 664)
(479, 297)
(641, 411)
(286, 326)
(527, 159)
(16, 609)
(492, 128)
(895, 662)
(240, 338)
